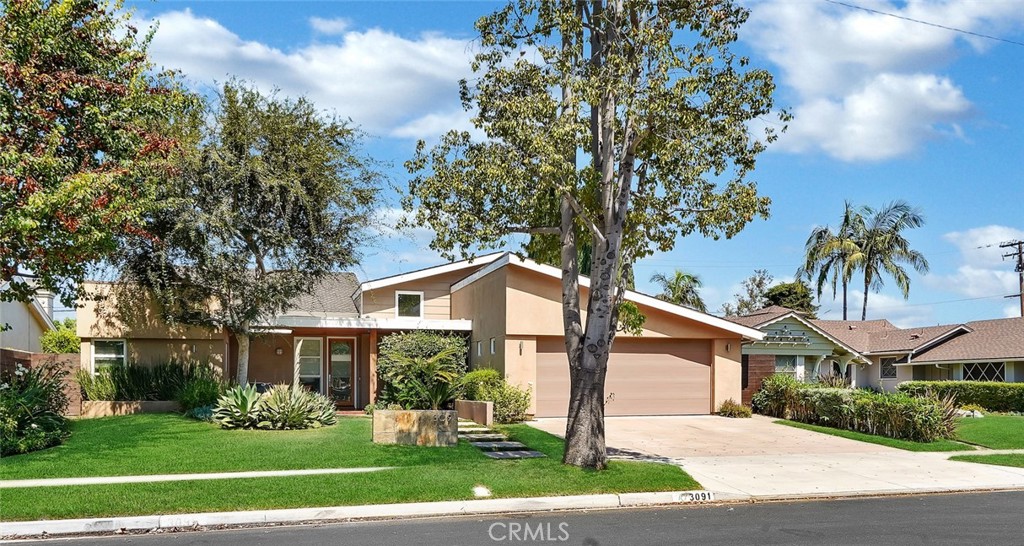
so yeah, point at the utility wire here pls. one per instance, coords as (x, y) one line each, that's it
(936, 25)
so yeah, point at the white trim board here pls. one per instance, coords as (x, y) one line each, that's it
(823, 333)
(286, 321)
(428, 272)
(631, 295)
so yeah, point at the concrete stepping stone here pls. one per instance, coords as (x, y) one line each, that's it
(499, 446)
(474, 429)
(514, 454)
(483, 437)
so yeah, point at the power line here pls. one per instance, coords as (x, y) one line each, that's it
(936, 25)
(1019, 254)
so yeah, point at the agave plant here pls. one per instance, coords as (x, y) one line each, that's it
(293, 407)
(239, 407)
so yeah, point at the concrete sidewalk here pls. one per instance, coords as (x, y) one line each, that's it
(101, 480)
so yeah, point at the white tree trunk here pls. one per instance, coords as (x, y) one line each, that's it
(243, 358)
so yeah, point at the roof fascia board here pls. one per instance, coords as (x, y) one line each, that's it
(631, 295)
(427, 272)
(370, 323)
(943, 337)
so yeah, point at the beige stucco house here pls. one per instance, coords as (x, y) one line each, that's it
(25, 322)
(509, 309)
(878, 354)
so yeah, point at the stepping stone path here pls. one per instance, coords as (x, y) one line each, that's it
(494, 444)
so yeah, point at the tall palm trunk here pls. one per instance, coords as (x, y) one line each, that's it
(844, 298)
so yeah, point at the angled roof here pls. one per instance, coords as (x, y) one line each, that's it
(912, 339)
(636, 297)
(36, 309)
(762, 316)
(476, 261)
(988, 340)
(331, 297)
(855, 333)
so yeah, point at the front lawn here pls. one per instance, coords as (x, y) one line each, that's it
(938, 445)
(993, 431)
(1001, 460)
(151, 444)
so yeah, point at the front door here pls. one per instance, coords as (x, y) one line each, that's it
(341, 371)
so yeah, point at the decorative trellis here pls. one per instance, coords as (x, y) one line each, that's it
(984, 371)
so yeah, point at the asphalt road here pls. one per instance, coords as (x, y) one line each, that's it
(965, 519)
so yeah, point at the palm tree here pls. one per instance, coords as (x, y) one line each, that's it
(834, 254)
(681, 289)
(884, 248)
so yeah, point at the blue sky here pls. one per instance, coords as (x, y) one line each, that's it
(884, 109)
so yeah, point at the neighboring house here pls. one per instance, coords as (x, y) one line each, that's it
(25, 322)
(884, 355)
(509, 308)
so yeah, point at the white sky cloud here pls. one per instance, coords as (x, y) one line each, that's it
(880, 306)
(383, 81)
(982, 271)
(866, 85)
(329, 26)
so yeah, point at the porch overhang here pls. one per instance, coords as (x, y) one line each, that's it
(369, 323)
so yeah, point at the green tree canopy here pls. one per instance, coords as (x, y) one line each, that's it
(795, 295)
(884, 248)
(86, 132)
(832, 257)
(753, 297)
(275, 198)
(652, 97)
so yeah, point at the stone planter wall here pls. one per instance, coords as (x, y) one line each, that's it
(104, 408)
(416, 427)
(480, 412)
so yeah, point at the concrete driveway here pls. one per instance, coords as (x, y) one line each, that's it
(756, 458)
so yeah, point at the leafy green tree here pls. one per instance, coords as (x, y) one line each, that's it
(795, 295)
(681, 288)
(884, 248)
(275, 199)
(832, 257)
(657, 104)
(62, 339)
(86, 133)
(753, 297)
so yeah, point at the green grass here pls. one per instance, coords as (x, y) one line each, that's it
(1001, 460)
(938, 445)
(144, 444)
(993, 431)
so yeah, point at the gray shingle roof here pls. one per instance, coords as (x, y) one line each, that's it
(996, 339)
(332, 297)
(761, 316)
(855, 333)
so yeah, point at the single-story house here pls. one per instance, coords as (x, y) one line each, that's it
(878, 354)
(25, 322)
(509, 309)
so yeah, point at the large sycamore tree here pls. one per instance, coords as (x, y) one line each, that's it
(86, 132)
(275, 197)
(629, 122)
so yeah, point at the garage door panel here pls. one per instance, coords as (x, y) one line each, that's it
(648, 377)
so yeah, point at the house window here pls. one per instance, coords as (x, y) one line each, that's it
(785, 364)
(492, 346)
(309, 357)
(106, 353)
(409, 304)
(985, 371)
(479, 348)
(887, 368)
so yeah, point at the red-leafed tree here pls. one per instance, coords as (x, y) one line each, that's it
(87, 129)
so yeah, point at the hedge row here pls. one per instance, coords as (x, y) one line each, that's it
(989, 395)
(894, 415)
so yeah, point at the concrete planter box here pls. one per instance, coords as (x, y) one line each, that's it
(103, 408)
(480, 412)
(438, 428)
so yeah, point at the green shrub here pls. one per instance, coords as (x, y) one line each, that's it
(62, 339)
(777, 393)
(427, 382)
(988, 394)
(510, 402)
(293, 407)
(283, 407)
(730, 408)
(199, 392)
(479, 380)
(131, 382)
(32, 406)
(201, 413)
(398, 371)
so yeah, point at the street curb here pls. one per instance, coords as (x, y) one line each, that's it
(23, 529)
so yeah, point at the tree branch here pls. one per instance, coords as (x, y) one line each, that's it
(536, 230)
(578, 209)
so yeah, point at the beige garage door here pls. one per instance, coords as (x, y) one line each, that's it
(645, 377)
